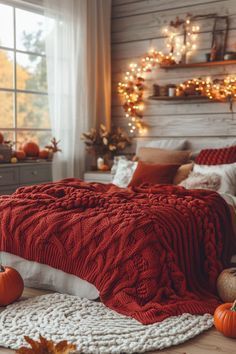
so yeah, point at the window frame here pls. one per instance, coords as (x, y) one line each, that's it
(15, 91)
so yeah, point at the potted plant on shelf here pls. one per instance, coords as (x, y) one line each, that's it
(103, 145)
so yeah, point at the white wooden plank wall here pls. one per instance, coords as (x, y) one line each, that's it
(136, 27)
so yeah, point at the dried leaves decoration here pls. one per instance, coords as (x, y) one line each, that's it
(54, 145)
(102, 141)
(45, 346)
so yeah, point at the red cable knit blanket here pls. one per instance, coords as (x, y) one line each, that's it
(152, 253)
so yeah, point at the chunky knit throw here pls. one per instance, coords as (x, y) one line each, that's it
(151, 252)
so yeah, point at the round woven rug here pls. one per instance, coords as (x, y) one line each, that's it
(92, 327)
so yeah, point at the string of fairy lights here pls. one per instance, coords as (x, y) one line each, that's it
(176, 43)
(217, 89)
(132, 87)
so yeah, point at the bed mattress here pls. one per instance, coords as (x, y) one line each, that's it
(41, 276)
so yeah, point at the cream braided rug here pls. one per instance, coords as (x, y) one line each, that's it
(92, 327)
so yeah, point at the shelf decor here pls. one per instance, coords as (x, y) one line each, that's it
(221, 90)
(200, 64)
(218, 90)
(132, 87)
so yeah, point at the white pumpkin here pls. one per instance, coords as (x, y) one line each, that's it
(226, 285)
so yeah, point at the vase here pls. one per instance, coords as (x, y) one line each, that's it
(100, 162)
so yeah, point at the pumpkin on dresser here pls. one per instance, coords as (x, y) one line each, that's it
(44, 154)
(225, 319)
(20, 155)
(11, 285)
(31, 149)
(226, 285)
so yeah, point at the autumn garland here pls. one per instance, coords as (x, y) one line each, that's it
(217, 89)
(132, 88)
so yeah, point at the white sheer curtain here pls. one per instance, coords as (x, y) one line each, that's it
(78, 63)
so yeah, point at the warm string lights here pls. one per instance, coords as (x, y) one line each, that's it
(181, 38)
(195, 87)
(217, 89)
(223, 89)
(132, 88)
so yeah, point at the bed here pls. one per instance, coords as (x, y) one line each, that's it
(148, 252)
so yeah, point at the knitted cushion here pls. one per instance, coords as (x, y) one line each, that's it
(217, 156)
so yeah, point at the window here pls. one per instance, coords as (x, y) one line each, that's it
(24, 113)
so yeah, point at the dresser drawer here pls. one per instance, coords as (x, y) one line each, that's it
(31, 174)
(9, 176)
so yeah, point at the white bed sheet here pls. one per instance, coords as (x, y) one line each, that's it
(41, 276)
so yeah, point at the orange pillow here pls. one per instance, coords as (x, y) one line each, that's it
(153, 174)
(156, 155)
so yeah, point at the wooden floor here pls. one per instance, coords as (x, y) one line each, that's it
(210, 342)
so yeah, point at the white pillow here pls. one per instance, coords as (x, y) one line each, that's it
(227, 173)
(196, 180)
(169, 144)
(115, 163)
(124, 173)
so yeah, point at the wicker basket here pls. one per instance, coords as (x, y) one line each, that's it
(5, 153)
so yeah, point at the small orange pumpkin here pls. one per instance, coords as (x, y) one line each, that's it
(20, 155)
(225, 319)
(1, 138)
(31, 149)
(11, 285)
(104, 167)
(43, 154)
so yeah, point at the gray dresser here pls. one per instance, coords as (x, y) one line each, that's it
(17, 175)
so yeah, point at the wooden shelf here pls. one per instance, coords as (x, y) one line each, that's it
(201, 64)
(180, 98)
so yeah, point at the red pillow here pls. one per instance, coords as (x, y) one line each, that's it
(217, 156)
(153, 174)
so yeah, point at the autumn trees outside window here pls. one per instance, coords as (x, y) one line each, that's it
(24, 113)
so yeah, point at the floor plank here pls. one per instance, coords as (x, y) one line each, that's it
(210, 342)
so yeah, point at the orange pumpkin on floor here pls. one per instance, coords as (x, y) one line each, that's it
(31, 149)
(225, 319)
(11, 285)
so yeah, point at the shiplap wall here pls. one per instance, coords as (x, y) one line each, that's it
(136, 27)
